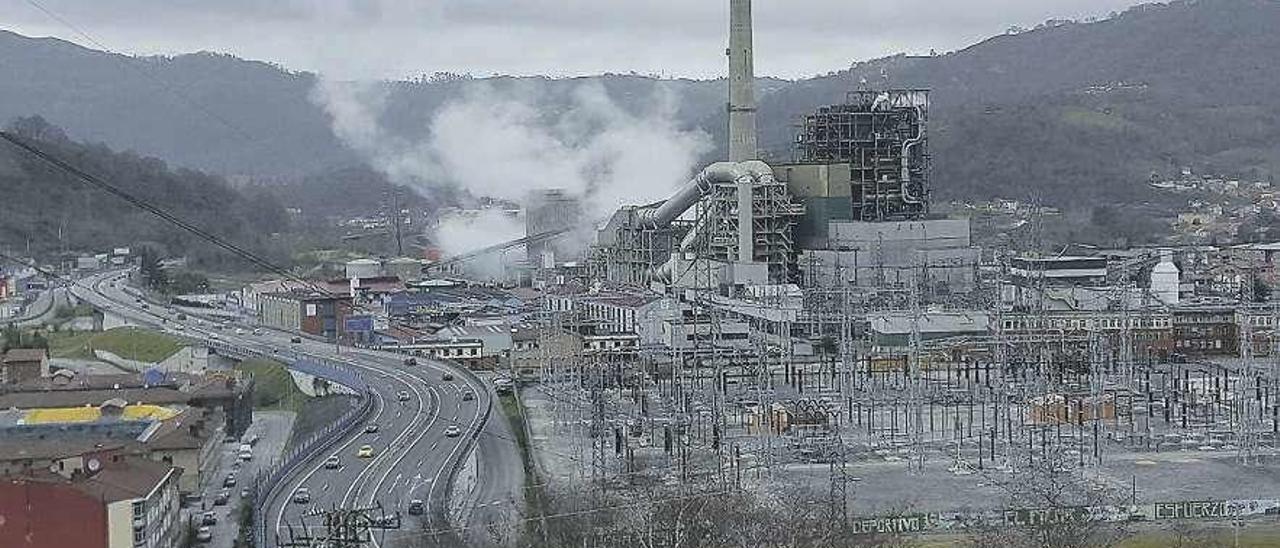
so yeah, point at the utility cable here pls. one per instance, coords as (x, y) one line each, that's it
(95, 182)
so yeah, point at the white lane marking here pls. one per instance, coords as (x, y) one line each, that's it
(378, 406)
(435, 482)
(431, 391)
(371, 467)
(397, 445)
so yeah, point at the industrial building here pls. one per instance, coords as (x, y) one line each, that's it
(304, 311)
(547, 212)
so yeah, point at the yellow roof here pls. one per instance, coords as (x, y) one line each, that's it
(61, 415)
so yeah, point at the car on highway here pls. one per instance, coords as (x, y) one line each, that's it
(208, 518)
(447, 376)
(402, 396)
(371, 428)
(222, 498)
(410, 362)
(332, 463)
(301, 496)
(453, 431)
(239, 331)
(366, 451)
(416, 507)
(468, 395)
(230, 480)
(204, 534)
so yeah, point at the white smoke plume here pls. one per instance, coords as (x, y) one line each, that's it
(499, 144)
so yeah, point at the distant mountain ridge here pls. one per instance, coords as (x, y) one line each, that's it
(1068, 112)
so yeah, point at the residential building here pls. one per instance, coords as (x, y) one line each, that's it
(20, 365)
(95, 499)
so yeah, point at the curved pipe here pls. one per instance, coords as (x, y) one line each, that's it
(670, 210)
(906, 165)
(752, 173)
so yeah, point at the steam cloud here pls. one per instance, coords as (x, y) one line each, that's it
(499, 144)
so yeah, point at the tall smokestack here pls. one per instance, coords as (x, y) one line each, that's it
(742, 97)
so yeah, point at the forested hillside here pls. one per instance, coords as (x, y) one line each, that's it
(1069, 112)
(44, 207)
(1076, 111)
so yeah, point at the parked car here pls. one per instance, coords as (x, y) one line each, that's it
(468, 395)
(301, 496)
(204, 534)
(222, 498)
(295, 340)
(410, 362)
(230, 480)
(257, 331)
(208, 518)
(453, 431)
(502, 385)
(416, 507)
(447, 376)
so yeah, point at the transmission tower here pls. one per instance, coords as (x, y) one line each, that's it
(339, 528)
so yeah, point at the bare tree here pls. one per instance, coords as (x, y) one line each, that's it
(1053, 505)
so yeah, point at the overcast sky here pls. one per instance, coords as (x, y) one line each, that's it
(359, 39)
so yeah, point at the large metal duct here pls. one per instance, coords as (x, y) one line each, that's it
(690, 193)
(746, 175)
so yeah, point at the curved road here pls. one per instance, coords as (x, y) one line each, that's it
(413, 455)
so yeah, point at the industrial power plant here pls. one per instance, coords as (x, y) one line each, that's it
(769, 316)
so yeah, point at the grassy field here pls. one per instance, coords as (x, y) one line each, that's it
(71, 344)
(136, 344)
(1189, 535)
(273, 386)
(1217, 534)
(535, 495)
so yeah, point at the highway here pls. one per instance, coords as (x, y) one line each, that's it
(413, 456)
(42, 309)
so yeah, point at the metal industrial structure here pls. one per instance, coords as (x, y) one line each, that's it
(813, 312)
(882, 136)
(741, 232)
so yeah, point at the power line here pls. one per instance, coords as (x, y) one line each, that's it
(100, 184)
